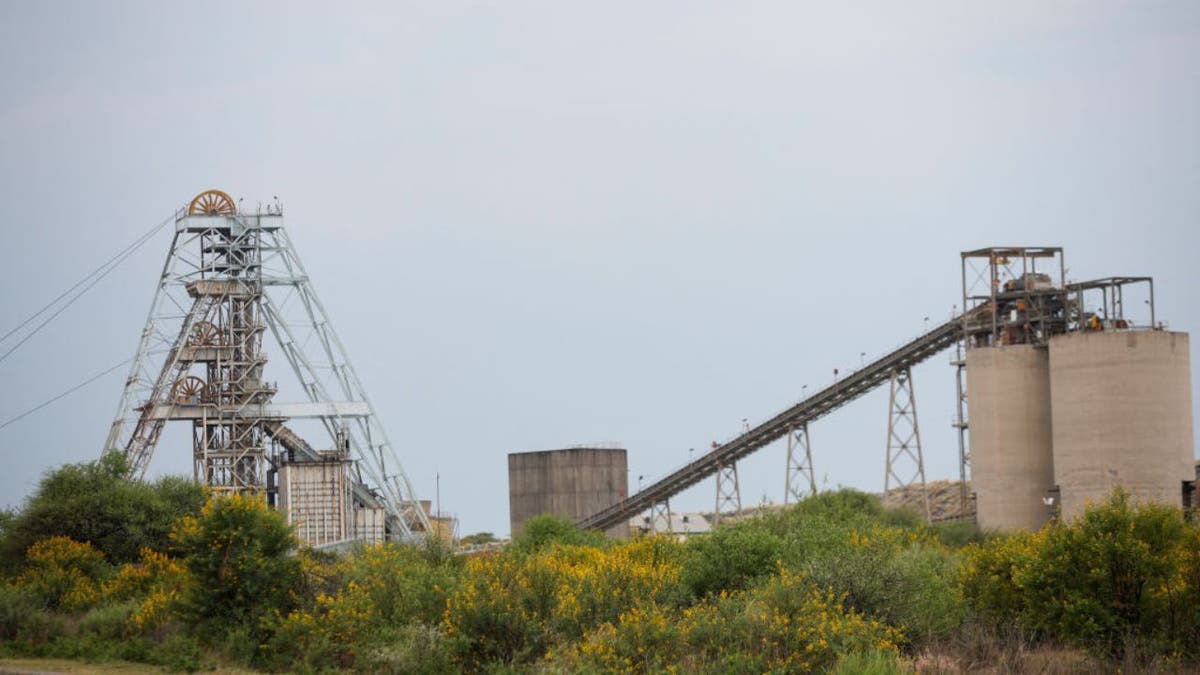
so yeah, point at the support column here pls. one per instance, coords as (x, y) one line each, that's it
(660, 517)
(729, 492)
(965, 495)
(800, 480)
(905, 463)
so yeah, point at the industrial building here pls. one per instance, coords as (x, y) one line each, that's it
(1074, 389)
(572, 482)
(677, 525)
(1066, 391)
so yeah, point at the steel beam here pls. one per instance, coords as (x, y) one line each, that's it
(274, 411)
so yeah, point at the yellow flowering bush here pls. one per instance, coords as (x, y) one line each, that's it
(156, 582)
(991, 573)
(903, 577)
(64, 573)
(404, 583)
(786, 624)
(239, 553)
(362, 601)
(1120, 574)
(513, 607)
(153, 570)
(327, 633)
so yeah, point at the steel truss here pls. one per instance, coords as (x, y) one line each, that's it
(228, 278)
(660, 517)
(905, 463)
(966, 507)
(801, 483)
(729, 492)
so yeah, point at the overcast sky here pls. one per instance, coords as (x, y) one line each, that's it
(542, 224)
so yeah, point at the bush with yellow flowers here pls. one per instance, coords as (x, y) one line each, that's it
(155, 583)
(513, 607)
(784, 624)
(904, 577)
(64, 573)
(1120, 576)
(239, 554)
(369, 597)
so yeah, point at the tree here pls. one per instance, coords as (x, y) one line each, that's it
(542, 531)
(477, 538)
(96, 502)
(239, 554)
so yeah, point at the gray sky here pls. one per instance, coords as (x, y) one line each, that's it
(539, 224)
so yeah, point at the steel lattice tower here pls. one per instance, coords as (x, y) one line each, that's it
(230, 277)
(729, 491)
(660, 518)
(905, 462)
(801, 483)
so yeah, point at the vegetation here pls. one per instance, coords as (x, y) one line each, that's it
(96, 503)
(1122, 577)
(834, 584)
(478, 539)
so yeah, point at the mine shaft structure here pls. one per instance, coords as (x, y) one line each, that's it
(229, 278)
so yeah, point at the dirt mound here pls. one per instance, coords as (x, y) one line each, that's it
(945, 499)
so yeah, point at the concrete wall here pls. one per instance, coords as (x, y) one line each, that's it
(1012, 471)
(1122, 407)
(574, 483)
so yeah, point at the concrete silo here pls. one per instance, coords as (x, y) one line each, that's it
(1122, 410)
(1014, 301)
(574, 482)
(1012, 465)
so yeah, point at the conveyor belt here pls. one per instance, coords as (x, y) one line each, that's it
(290, 440)
(816, 406)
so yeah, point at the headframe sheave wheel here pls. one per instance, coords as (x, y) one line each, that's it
(190, 390)
(212, 203)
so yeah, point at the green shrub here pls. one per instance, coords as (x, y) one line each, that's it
(96, 503)
(477, 539)
(958, 533)
(107, 623)
(729, 559)
(542, 531)
(1120, 577)
(846, 505)
(40, 628)
(896, 577)
(17, 605)
(178, 652)
(904, 517)
(411, 648)
(868, 662)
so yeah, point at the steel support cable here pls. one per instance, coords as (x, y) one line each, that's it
(68, 392)
(91, 279)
